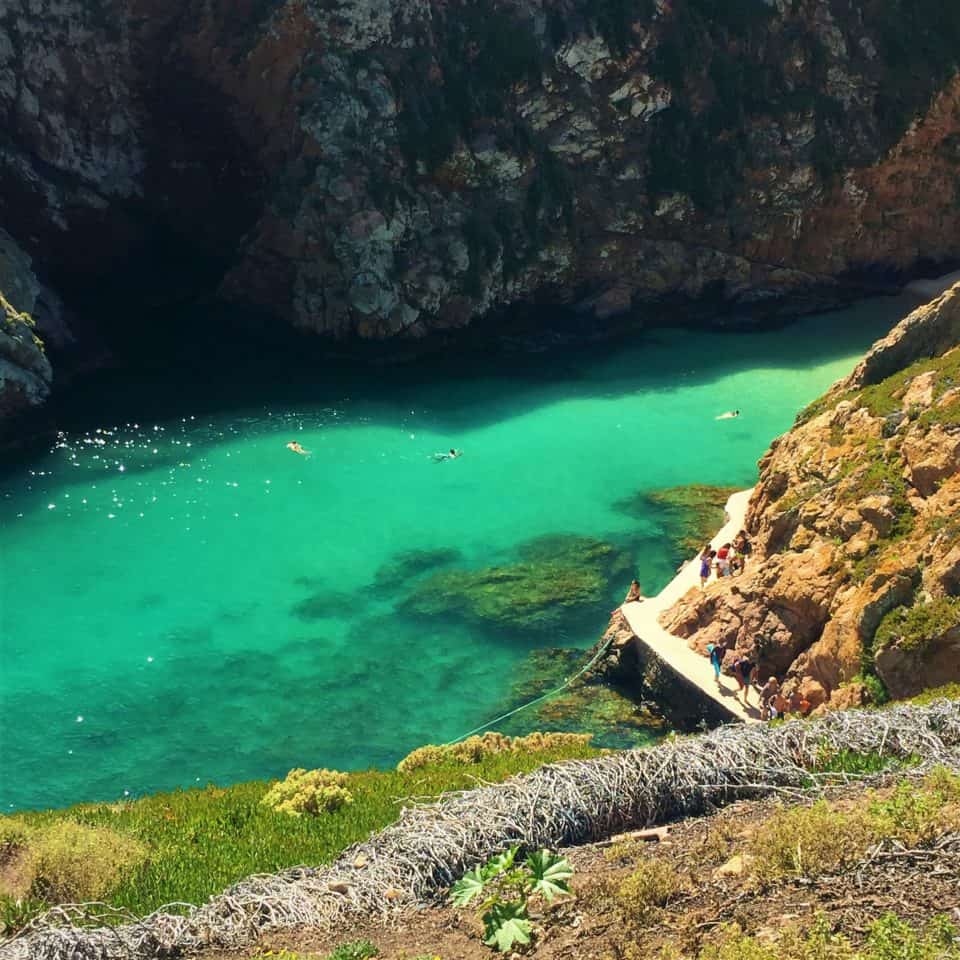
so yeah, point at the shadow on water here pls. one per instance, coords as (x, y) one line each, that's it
(190, 385)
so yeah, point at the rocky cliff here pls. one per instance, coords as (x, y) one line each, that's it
(25, 372)
(855, 589)
(385, 168)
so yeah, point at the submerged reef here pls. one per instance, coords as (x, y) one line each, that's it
(552, 575)
(689, 515)
(409, 564)
(590, 705)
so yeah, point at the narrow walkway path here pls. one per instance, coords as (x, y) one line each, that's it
(643, 617)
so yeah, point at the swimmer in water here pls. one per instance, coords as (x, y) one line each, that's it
(296, 448)
(452, 455)
(729, 415)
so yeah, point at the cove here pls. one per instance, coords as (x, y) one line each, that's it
(183, 600)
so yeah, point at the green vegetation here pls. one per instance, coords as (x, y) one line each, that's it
(355, 950)
(652, 885)
(807, 842)
(949, 691)
(65, 862)
(477, 749)
(810, 841)
(888, 938)
(886, 397)
(200, 841)
(913, 627)
(853, 763)
(554, 573)
(508, 888)
(313, 792)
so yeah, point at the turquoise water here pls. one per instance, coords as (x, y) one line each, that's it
(185, 601)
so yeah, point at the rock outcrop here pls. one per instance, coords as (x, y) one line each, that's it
(384, 168)
(25, 372)
(856, 521)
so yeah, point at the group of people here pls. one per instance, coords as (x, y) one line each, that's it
(773, 702)
(727, 560)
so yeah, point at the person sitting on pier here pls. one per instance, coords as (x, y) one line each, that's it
(634, 594)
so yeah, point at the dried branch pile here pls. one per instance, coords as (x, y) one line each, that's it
(430, 846)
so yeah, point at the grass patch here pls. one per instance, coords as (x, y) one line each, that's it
(652, 885)
(808, 841)
(886, 397)
(949, 691)
(804, 842)
(914, 627)
(478, 749)
(355, 950)
(888, 938)
(202, 840)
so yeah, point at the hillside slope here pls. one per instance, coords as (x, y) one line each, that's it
(856, 520)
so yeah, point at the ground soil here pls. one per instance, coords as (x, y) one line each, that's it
(707, 852)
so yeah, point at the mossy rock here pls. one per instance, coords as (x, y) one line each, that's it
(689, 515)
(410, 564)
(555, 576)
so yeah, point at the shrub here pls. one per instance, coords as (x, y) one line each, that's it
(915, 815)
(508, 889)
(14, 834)
(654, 884)
(888, 938)
(808, 841)
(355, 950)
(912, 628)
(17, 912)
(949, 691)
(309, 791)
(71, 861)
(479, 748)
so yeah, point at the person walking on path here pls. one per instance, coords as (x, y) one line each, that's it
(716, 651)
(744, 548)
(706, 562)
(743, 671)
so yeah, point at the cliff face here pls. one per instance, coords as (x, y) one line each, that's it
(856, 518)
(25, 372)
(384, 168)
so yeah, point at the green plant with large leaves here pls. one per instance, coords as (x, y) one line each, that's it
(507, 888)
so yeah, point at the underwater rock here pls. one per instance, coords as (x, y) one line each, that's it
(556, 575)
(409, 564)
(325, 603)
(610, 714)
(689, 515)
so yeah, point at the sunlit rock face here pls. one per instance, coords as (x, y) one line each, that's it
(856, 525)
(385, 169)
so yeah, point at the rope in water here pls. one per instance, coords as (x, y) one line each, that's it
(563, 686)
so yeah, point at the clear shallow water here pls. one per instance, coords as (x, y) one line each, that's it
(183, 600)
